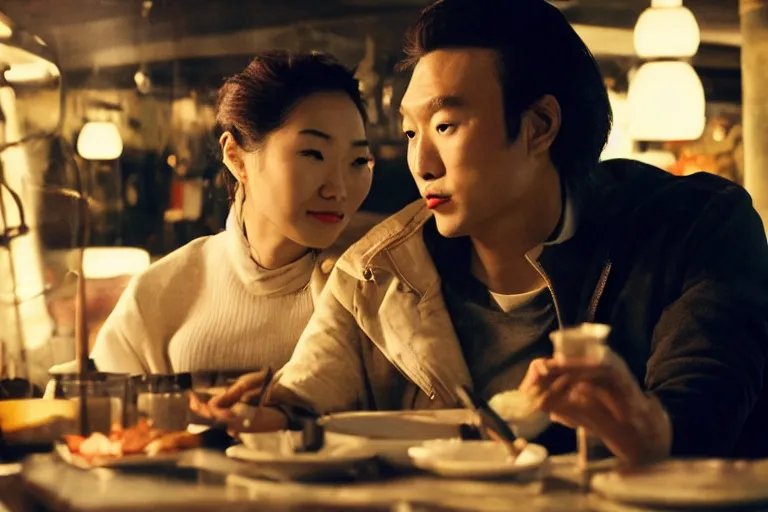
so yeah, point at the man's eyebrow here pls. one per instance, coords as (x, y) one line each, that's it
(439, 103)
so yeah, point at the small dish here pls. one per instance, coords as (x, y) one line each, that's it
(688, 484)
(390, 434)
(476, 459)
(274, 451)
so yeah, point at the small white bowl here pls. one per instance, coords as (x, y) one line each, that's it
(475, 459)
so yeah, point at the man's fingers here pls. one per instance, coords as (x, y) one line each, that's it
(555, 393)
(536, 370)
(205, 410)
(235, 392)
(196, 404)
(251, 397)
(263, 419)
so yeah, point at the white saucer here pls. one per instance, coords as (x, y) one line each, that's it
(475, 459)
(703, 483)
(421, 425)
(272, 453)
(391, 433)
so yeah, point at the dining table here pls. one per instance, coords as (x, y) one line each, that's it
(208, 480)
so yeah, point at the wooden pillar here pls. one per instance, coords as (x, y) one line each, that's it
(754, 79)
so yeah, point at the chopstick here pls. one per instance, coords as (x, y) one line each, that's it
(266, 388)
(515, 448)
(493, 425)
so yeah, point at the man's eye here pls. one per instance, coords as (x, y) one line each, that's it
(409, 134)
(444, 128)
(361, 162)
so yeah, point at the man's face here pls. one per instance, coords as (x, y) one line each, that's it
(467, 170)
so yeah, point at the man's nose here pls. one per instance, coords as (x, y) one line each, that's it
(425, 161)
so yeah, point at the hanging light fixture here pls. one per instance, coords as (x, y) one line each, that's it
(100, 140)
(31, 72)
(667, 29)
(666, 102)
(5, 27)
(666, 97)
(109, 262)
(619, 143)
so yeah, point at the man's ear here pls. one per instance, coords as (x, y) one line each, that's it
(543, 119)
(232, 156)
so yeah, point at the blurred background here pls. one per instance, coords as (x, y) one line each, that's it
(128, 87)
(152, 67)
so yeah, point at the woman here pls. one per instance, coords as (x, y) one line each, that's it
(293, 142)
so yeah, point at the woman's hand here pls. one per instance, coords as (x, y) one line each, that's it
(233, 407)
(604, 398)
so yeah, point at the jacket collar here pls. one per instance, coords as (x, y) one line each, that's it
(384, 247)
(388, 246)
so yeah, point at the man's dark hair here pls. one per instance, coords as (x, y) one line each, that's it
(539, 53)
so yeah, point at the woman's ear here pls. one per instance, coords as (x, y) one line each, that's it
(544, 120)
(232, 157)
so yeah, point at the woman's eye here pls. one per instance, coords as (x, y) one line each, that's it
(409, 134)
(444, 128)
(312, 153)
(361, 162)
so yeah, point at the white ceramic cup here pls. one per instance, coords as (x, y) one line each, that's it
(582, 343)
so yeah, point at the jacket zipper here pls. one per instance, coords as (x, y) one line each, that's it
(592, 311)
(537, 266)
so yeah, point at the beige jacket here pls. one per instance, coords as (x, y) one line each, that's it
(381, 318)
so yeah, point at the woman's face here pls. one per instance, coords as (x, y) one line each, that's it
(313, 173)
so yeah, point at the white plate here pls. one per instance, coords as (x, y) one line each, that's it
(274, 452)
(703, 483)
(390, 434)
(127, 461)
(475, 459)
(403, 425)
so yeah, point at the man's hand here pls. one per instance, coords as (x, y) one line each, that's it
(604, 398)
(233, 407)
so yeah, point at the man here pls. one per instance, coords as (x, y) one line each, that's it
(520, 232)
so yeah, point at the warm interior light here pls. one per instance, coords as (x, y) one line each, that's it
(661, 159)
(667, 30)
(108, 262)
(666, 102)
(100, 140)
(30, 72)
(25, 323)
(5, 30)
(619, 143)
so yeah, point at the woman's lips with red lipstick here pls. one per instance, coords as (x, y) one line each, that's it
(435, 201)
(328, 217)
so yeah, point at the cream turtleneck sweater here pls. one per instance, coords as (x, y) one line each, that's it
(209, 306)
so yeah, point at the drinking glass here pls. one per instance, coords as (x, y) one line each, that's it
(584, 343)
(164, 399)
(105, 402)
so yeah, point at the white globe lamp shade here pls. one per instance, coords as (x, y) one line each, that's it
(100, 140)
(619, 143)
(666, 102)
(5, 30)
(667, 30)
(109, 262)
(29, 72)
